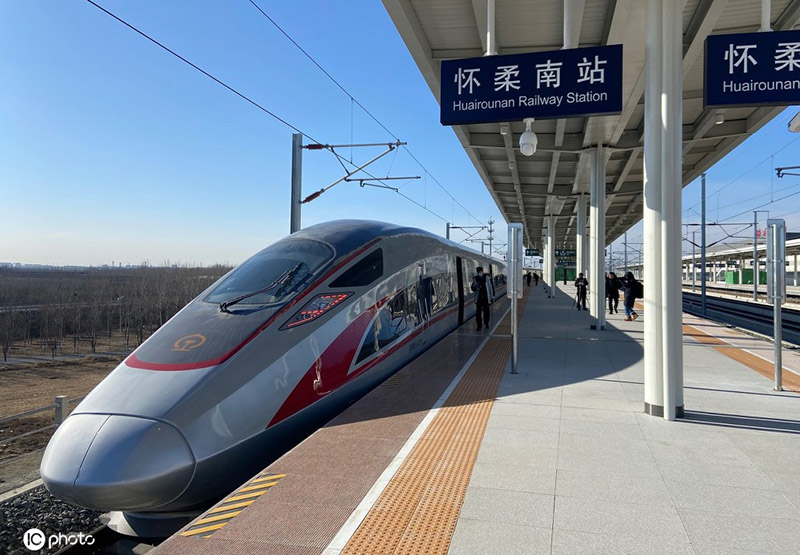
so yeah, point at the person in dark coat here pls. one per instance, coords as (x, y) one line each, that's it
(535, 279)
(613, 285)
(482, 287)
(581, 288)
(631, 285)
(528, 278)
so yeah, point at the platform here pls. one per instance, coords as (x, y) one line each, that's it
(455, 455)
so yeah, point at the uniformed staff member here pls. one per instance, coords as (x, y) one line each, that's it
(482, 287)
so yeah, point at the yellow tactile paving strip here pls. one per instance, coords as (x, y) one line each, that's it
(765, 368)
(418, 510)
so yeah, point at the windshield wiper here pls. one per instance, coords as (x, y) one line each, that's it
(288, 279)
(283, 278)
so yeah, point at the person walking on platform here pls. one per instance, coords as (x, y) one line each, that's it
(632, 292)
(528, 277)
(535, 279)
(613, 285)
(581, 287)
(482, 287)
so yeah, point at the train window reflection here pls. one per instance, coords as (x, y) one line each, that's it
(363, 272)
(390, 324)
(288, 264)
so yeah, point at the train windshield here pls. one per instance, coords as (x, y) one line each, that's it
(273, 274)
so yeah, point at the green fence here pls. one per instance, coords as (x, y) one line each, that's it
(570, 274)
(747, 277)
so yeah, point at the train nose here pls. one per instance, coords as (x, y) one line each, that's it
(113, 462)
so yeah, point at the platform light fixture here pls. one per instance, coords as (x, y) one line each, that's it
(504, 129)
(719, 118)
(528, 140)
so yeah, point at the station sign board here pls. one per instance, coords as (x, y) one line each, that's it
(531, 252)
(752, 69)
(553, 84)
(566, 253)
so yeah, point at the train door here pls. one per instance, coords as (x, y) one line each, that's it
(424, 299)
(460, 283)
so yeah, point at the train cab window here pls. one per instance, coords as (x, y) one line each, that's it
(363, 272)
(280, 270)
(390, 324)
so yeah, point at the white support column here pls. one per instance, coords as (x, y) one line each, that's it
(766, 9)
(573, 11)
(580, 237)
(491, 41)
(671, 188)
(551, 266)
(597, 242)
(651, 276)
(795, 271)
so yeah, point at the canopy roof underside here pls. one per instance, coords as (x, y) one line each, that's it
(548, 182)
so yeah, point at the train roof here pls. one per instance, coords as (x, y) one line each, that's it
(348, 235)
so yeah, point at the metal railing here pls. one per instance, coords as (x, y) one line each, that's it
(60, 412)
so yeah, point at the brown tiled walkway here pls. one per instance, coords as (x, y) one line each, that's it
(418, 510)
(328, 475)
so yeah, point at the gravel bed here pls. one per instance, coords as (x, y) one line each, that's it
(36, 508)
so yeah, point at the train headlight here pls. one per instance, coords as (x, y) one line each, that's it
(315, 308)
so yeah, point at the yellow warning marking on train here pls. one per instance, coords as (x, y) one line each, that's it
(217, 518)
(230, 507)
(203, 530)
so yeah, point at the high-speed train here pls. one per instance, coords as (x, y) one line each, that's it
(259, 360)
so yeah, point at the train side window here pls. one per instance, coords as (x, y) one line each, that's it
(388, 326)
(412, 306)
(363, 272)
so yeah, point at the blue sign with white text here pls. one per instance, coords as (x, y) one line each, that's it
(752, 69)
(554, 84)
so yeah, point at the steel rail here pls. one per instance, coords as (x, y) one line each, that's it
(747, 315)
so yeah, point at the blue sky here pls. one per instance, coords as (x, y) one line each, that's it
(113, 150)
(742, 181)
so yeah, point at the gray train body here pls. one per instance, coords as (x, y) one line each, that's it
(217, 393)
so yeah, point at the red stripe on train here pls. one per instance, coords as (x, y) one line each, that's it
(329, 371)
(135, 362)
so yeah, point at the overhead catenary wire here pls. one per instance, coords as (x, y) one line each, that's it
(254, 103)
(201, 70)
(760, 206)
(748, 171)
(758, 196)
(359, 104)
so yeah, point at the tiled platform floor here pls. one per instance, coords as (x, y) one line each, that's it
(570, 464)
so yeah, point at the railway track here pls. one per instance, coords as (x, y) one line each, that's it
(740, 292)
(746, 315)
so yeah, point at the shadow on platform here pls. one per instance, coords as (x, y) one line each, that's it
(741, 421)
(556, 348)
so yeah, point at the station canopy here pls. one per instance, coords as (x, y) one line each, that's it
(527, 189)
